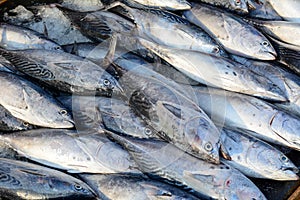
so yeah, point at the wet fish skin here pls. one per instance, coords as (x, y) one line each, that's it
(176, 118)
(28, 102)
(285, 31)
(85, 152)
(10, 123)
(63, 71)
(289, 10)
(170, 163)
(29, 181)
(95, 113)
(256, 158)
(232, 5)
(117, 187)
(83, 6)
(20, 38)
(251, 115)
(235, 35)
(285, 79)
(218, 72)
(263, 10)
(172, 5)
(168, 29)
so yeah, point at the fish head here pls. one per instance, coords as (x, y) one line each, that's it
(109, 86)
(264, 50)
(239, 6)
(203, 137)
(272, 162)
(237, 186)
(60, 117)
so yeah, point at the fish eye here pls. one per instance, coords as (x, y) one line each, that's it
(78, 187)
(57, 48)
(265, 43)
(216, 49)
(106, 82)
(284, 158)
(63, 112)
(238, 2)
(25, 124)
(208, 146)
(147, 131)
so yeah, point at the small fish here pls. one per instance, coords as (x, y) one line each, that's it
(239, 6)
(218, 72)
(9, 123)
(22, 180)
(285, 31)
(119, 187)
(28, 102)
(163, 160)
(235, 35)
(20, 38)
(63, 71)
(67, 150)
(250, 115)
(168, 29)
(256, 158)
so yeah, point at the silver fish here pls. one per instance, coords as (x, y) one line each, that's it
(19, 38)
(256, 158)
(235, 35)
(95, 113)
(82, 6)
(9, 123)
(252, 115)
(287, 81)
(23, 180)
(119, 187)
(168, 29)
(218, 72)
(166, 161)
(239, 6)
(167, 4)
(284, 31)
(288, 10)
(30, 103)
(66, 150)
(65, 72)
(163, 105)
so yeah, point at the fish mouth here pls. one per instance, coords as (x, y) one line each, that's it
(291, 173)
(271, 55)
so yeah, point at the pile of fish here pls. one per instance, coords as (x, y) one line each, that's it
(156, 99)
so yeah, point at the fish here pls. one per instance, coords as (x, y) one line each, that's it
(10, 123)
(97, 113)
(250, 115)
(285, 31)
(162, 105)
(71, 151)
(117, 187)
(30, 103)
(218, 72)
(23, 180)
(285, 79)
(239, 6)
(168, 29)
(164, 161)
(82, 6)
(47, 20)
(256, 158)
(20, 38)
(235, 35)
(65, 72)
(289, 10)
(288, 55)
(172, 5)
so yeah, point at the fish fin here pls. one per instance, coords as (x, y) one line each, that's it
(109, 57)
(198, 179)
(155, 191)
(74, 49)
(45, 30)
(173, 108)
(31, 171)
